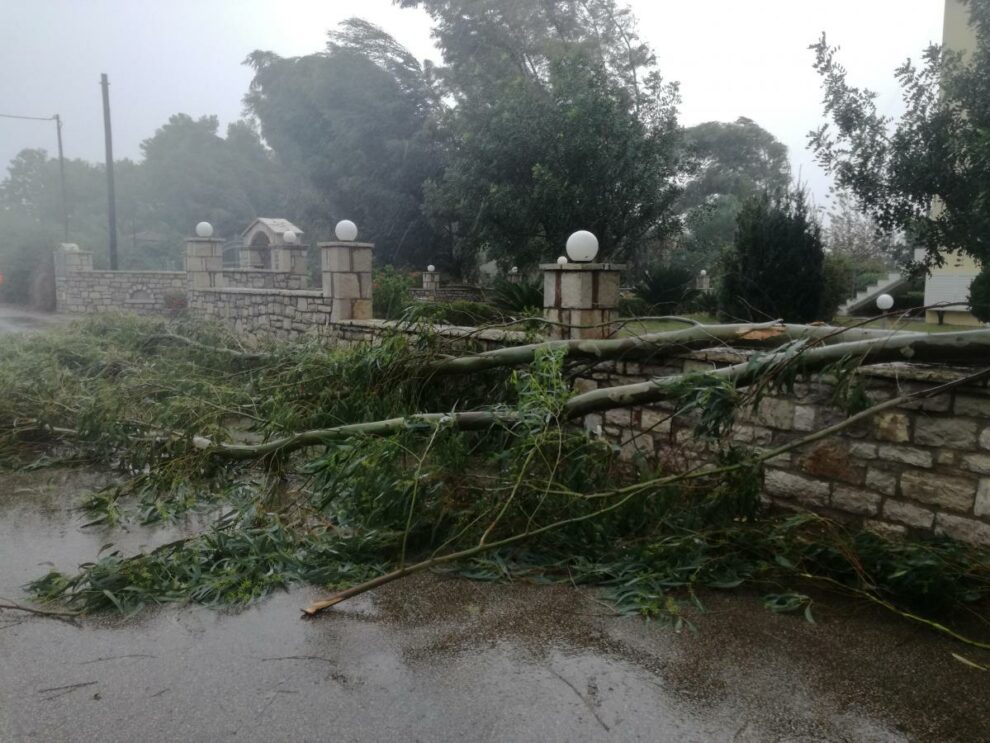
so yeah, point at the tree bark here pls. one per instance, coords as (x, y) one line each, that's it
(968, 346)
(660, 345)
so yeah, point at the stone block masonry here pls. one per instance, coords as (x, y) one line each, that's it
(580, 299)
(346, 268)
(81, 290)
(923, 468)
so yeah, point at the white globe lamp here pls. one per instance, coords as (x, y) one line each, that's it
(562, 260)
(204, 229)
(345, 230)
(582, 247)
(885, 302)
(289, 237)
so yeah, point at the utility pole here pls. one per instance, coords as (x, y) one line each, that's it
(61, 173)
(111, 197)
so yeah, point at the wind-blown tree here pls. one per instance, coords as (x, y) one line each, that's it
(357, 123)
(560, 121)
(926, 173)
(775, 268)
(190, 173)
(731, 162)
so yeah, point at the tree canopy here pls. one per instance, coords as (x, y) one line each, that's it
(545, 118)
(355, 121)
(730, 163)
(926, 172)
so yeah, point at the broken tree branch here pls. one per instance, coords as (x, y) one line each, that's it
(626, 493)
(969, 346)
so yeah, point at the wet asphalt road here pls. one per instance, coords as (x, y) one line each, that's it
(20, 320)
(444, 659)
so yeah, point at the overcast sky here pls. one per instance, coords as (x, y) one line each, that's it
(732, 57)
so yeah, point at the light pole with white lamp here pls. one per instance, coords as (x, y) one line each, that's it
(884, 303)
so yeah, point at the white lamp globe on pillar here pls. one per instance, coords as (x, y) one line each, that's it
(885, 302)
(204, 229)
(345, 230)
(582, 247)
(562, 260)
(289, 237)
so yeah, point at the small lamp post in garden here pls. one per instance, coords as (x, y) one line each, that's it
(884, 303)
(204, 259)
(431, 279)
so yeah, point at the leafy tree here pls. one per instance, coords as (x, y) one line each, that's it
(732, 161)
(775, 267)
(927, 172)
(561, 122)
(857, 237)
(190, 173)
(356, 121)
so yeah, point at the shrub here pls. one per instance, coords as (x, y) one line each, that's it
(838, 282)
(391, 294)
(667, 288)
(979, 296)
(460, 312)
(518, 298)
(775, 268)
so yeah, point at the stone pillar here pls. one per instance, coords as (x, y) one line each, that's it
(346, 270)
(431, 280)
(70, 259)
(290, 259)
(204, 262)
(577, 294)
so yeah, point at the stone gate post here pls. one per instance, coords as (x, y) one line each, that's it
(204, 262)
(346, 268)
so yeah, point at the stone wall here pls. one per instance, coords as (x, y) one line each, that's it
(264, 314)
(260, 278)
(141, 292)
(279, 315)
(923, 467)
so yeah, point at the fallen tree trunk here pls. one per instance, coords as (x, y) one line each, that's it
(969, 346)
(623, 495)
(656, 346)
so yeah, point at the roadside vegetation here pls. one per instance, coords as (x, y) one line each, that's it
(510, 490)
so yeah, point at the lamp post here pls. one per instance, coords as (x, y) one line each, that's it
(580, 296)
(884, 303)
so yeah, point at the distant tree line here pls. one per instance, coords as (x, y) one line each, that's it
(543, 118)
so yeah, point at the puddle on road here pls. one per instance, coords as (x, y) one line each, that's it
(444, 659)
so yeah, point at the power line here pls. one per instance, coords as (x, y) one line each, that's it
(28, 118)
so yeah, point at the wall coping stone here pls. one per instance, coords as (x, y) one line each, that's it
(123, 274)
(308, 293)
(252, 270)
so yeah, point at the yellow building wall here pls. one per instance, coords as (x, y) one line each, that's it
(951, 282)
